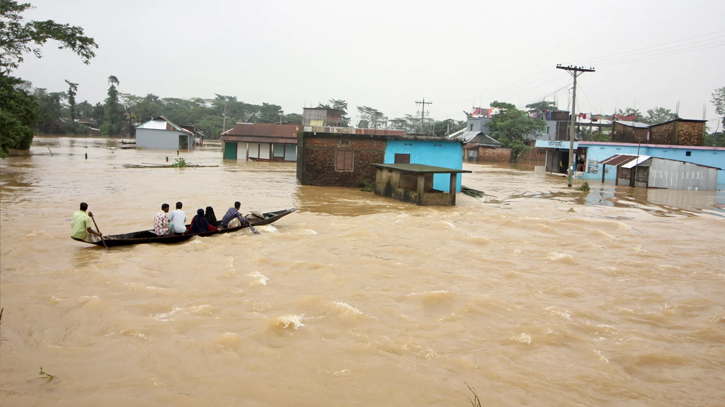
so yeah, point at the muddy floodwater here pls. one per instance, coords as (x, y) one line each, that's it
(533, 295)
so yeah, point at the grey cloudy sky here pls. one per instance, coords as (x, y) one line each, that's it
(388, 54)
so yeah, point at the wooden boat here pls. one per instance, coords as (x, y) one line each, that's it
(148, 236)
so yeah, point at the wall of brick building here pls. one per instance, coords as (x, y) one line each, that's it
(494, 155)
(629, 134)
(678, 133)
(319, 167)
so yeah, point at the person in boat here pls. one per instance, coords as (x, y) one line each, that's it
(82, 226)
(200, 224)
(211, 217)
(162, 224)
(233, 218)
(178, 219)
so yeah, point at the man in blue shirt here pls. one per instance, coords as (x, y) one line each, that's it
(233, 218)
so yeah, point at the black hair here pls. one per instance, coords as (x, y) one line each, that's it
(164, 206)
(237, 204)
(84, 206)
(179, 205)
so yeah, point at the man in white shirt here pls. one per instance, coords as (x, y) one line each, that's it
(178, 219)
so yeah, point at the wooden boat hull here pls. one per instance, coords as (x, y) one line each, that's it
(147, 236)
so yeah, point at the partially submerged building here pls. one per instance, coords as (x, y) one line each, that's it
(414, 183)
(260, 142)
(162, 133)
(653, 172)
(342, 156)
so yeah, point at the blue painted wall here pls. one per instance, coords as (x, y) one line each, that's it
(439, 153)
(714, 157)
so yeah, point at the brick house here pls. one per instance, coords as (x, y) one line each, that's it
(330, 156)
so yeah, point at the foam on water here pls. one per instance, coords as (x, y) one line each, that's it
(561, 258)
(289, 321)
(258, 278)
(522, 338)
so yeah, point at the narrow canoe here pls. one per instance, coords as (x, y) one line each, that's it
(148, 236)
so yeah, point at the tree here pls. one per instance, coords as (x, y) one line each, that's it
(18, 112)
(511, 127)
(371, 118)
(341, 105)
(537, 107)
(718, 99)
(113, 111)
(17, 37)
(659, 115)
(72, 91)
(50, 111)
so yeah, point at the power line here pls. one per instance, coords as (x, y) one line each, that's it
(662, 55)
(422, 114)
(596, 60)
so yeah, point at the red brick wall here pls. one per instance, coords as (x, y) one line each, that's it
(494, 155)
(319, 162)
(688, 133)
(533, 154)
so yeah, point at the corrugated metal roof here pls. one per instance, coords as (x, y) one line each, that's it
(618, 159)
(633, 124)
(264, 130)
(639, 160)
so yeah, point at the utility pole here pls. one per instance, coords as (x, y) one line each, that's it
(573, 71)
(422, 114)
(281, 112)
(224, 122)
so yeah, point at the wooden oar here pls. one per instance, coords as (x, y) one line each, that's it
(252, 228)
(99, 232)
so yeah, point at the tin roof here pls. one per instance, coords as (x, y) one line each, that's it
(619, 159)
(631, 161)
(263, 130)
(633, 124)
(421, 169)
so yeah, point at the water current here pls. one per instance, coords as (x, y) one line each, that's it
(533, 295)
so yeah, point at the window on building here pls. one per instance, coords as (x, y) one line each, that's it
(278, 150)
(344, 142)
(402, 158)
(688, 153)
(344, 160)
(471, 128)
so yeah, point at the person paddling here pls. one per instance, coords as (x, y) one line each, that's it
(81, 225)
(233, 218)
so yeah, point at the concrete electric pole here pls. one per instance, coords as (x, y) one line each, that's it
(422, 114)
(573, 71)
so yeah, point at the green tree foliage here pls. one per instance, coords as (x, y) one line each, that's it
(371, 118)
(294, 118)
(537, 107)
(512, 127)
(50, 112)
(659, 115)
(18, 113)
(112, 109)
(715, 139)
(718, 99)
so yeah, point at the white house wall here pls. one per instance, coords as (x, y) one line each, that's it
(678, 175)
(241, 150)
(161, 139)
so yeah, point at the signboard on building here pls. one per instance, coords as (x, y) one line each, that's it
(555, 144)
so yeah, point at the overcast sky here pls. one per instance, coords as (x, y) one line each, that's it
(389, 54)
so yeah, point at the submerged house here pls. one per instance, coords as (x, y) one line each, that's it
(162, 133)
(652, 172)
(260, 142)
(343, 156)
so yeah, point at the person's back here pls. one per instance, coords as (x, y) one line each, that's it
(161, 221)
(80, 224)
(178, 219)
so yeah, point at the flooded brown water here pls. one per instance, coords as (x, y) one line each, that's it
(534, 295)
